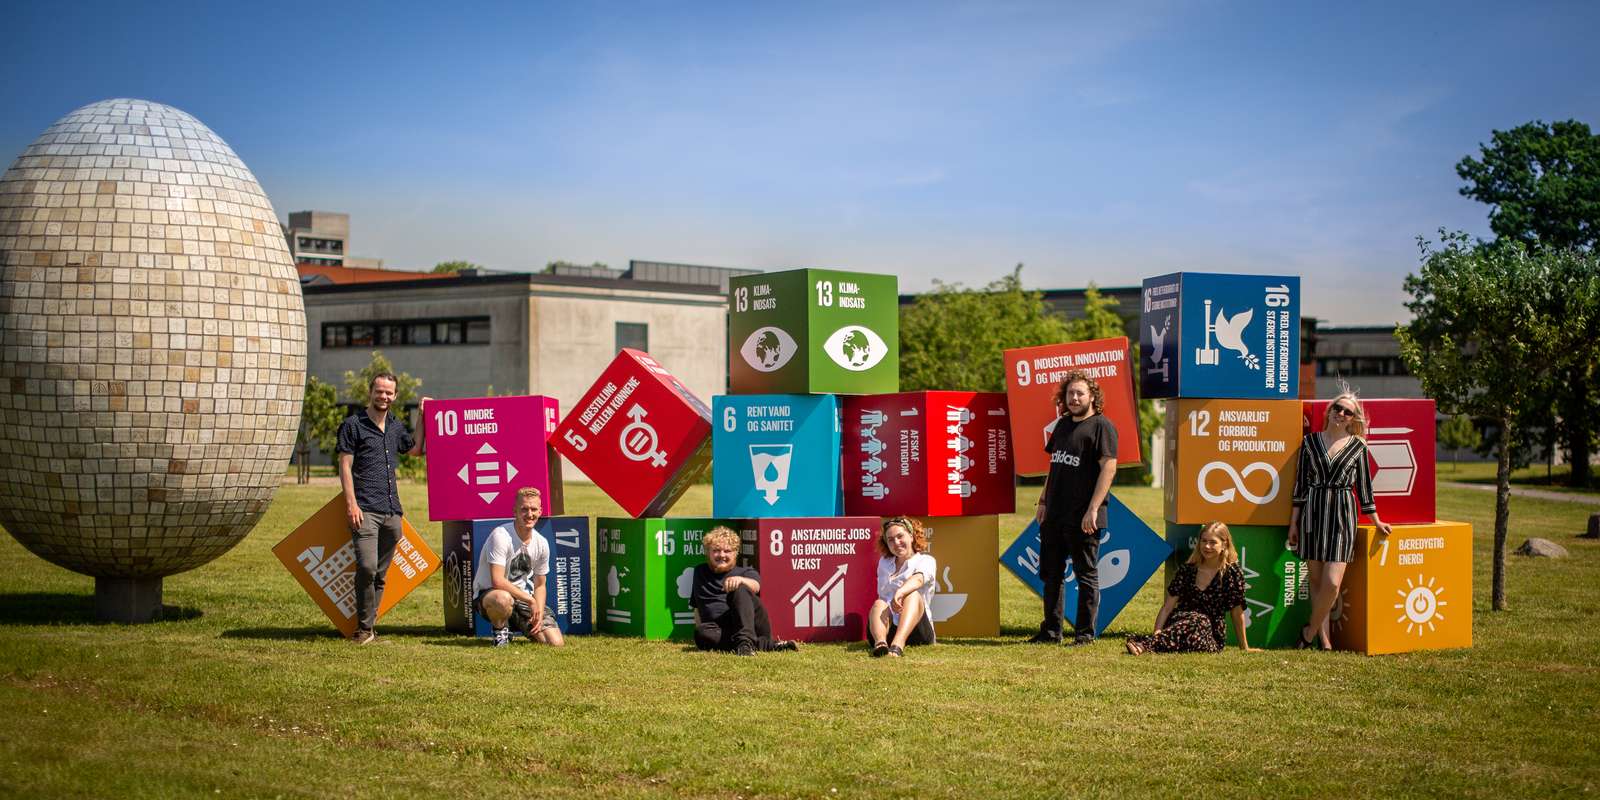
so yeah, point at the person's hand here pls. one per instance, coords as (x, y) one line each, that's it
(1383, 528)
(897, 603)
(730, 583)
(1038, 512)
(1088, 525)
(1294, 535)
(1251, 649)
(353, 512)
(537, 620)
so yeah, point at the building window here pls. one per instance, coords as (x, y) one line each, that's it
(633, 334)
(403, 333)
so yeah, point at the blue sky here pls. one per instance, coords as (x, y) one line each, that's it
(932, 141)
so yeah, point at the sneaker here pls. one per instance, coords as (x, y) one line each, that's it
(785, 645)
(744, 649)
(502, 637)
(1044, 638)
(1080, 640)
(363, 637)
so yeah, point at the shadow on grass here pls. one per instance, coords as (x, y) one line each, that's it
(65, 608)
(314, 632)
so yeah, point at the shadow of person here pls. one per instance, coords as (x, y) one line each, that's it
(68, 608)
(309, 633)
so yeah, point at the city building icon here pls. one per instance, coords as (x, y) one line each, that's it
(336, 576)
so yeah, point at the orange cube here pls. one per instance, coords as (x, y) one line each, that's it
(1411, 590)
(967, 602)
(1231, 460)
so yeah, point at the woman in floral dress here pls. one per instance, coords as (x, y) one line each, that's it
(1208, 588)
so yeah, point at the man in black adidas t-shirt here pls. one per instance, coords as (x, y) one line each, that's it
(1072, 507)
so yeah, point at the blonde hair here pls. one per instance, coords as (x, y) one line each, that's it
(1358, 422)
(1230, 554)
(721, 534)
(527, 492)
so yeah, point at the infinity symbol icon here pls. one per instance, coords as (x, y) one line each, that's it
(1238, 488)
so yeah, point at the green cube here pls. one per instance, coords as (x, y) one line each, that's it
(814, 331)
(1277, 595)
(644, 568)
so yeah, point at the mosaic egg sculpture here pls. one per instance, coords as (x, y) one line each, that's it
(152, 348)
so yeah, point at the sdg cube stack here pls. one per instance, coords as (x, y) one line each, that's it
(801, 341)
(1410, 590)
(1224, 350)
(481, 451)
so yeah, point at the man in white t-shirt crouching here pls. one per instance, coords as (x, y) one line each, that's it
(510, 581)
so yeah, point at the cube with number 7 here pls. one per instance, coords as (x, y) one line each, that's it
(639, 434)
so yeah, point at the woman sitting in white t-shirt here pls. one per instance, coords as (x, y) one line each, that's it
(899, 617)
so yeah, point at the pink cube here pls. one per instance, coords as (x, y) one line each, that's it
(481, 450)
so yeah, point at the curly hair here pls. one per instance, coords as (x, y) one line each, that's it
(721, 534)
(919, 535)
(1095, 394)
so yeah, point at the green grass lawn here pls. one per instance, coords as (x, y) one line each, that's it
(248, 693)
(1536, 476)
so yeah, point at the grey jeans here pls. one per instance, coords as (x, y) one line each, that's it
(375, 541)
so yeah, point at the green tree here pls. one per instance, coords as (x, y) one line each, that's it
(953, 337)
(1542, 183)
(320, 416)
(1458, 433)
(1481, 340)
(454, 266)
(355, 391)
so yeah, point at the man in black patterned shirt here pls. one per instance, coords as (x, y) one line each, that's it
(370, 445)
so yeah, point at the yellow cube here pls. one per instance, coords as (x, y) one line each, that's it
(1411, 590)
(967, 602)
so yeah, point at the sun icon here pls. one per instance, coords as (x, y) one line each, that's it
(1419, 605)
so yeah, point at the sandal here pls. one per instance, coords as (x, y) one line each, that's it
(1303, 643)
(895, 651)
(1134, 648)
(880, 650)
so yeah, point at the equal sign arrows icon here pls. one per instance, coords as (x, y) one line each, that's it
(486, 473)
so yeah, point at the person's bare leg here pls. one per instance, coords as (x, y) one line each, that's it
(497, 606)
(1332, 579)
(550, 636)
(878, 622)
(1314, 578)
(910, 615)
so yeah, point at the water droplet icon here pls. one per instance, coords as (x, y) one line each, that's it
(771, 472)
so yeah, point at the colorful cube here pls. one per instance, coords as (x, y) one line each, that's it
(566, 585)
(639, 434)
(1277, 593)
(1411, 590)
(1034, 373)
(775, 455)
(481, 450)
(1401, 451)
(1231, 461)
(1210, 335)
(937, 454)
(645, 568)
(813, 331)
(1130, 552)
(818, 575)
(322, 557)
(966, 602)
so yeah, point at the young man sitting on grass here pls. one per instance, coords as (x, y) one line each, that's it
(510, 581)
(728, 612)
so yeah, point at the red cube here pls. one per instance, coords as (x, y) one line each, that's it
(819, 575)
(1400, 442)
(639, 434)
(1032, 377)
(931, 454)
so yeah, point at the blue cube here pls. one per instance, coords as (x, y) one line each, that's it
(566, 586)
(1204, 334)
(775, 455)
(1130, 553)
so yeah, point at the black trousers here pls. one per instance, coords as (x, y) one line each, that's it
(745, 622)
(1057, 543)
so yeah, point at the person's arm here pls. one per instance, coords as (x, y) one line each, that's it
(1369, 504)
(347, 482)
(1166, 611)
(1239, 628)
(1041, 508)
(497, 577)
(1102, 487)
(913, 583)
(1302, 492)
(422, 428)
(538, 602)
(733, 582)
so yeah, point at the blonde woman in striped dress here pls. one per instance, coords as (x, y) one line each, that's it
(1322, 527)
